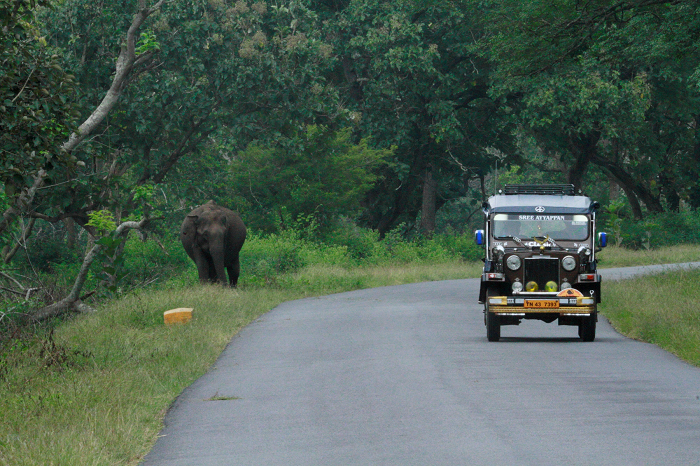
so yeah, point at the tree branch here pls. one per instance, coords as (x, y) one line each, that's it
(125, 64)
(72, 302)
(22, 202)
(22, 240)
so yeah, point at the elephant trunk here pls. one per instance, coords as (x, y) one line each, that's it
(218, 259)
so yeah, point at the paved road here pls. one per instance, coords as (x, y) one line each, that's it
(404, 375)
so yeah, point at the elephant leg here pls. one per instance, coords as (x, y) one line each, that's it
(203, 266)
(212, 273)
(234, 270)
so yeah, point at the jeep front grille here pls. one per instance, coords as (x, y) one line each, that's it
(541, 270)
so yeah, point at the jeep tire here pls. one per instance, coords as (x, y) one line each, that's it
(493, 321)
(586, 329)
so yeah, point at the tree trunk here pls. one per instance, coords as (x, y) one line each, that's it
(668, 188)
(634, 202)
(20, 242)
(401, 200)
(398, 208)
(71, 234)
(583, 149)
(634, 190)
(694, 196)
(22, 203)
(428, 209)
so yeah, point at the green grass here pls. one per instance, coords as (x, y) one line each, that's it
(661, 309)
(620, 257)
(95, 391)
(320, 279)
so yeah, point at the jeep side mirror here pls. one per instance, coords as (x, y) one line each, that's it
(479, 237)
(602, 239)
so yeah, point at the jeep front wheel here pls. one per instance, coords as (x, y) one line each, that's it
(493, 321)
(586, 329)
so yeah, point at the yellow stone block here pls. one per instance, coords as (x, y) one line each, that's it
(180, 315)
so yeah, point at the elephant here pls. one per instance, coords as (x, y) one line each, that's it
(213, 237)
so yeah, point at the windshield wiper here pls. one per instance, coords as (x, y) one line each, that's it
(517, 240)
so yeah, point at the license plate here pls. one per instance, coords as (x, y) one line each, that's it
(541, 304)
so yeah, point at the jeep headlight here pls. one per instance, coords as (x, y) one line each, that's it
(513, 262)
(568, 263)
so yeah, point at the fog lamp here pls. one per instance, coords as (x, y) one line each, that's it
(565, 285)
(517, 287)
(551, 286)
(531, 286)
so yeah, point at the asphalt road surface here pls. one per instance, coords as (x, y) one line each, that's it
(404, 375)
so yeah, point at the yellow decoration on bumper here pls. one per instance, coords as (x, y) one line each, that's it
(570, 293)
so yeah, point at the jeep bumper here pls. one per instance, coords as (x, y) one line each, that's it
(528, 304)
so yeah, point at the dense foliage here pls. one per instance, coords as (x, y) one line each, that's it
(342, 124)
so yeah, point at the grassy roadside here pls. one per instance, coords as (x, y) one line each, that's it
(95, 391)
(660, 309)
(620, 257)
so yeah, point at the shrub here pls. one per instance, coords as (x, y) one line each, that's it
(153, 260)
(265, 257)
(665, 229)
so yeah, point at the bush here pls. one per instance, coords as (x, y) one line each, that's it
(153, 261)
(266, 260)
(263, 258)
(655, 231)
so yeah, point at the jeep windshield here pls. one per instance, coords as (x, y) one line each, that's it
(562, 227)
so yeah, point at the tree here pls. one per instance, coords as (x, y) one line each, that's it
(413, 76)
(318, 173)
(193, 73)
(240, 69)
(37, 115)
(593, 83)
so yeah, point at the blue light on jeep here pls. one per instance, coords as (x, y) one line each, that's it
(602, 239)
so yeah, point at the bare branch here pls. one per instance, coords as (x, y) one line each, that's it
(21, 241)
(25, 85)
(72, 301)
(22, 202)
(12, 279)
(10, 290)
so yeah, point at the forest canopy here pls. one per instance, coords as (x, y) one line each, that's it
(384, 115)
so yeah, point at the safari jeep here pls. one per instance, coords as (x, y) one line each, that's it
(540, 258)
